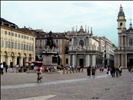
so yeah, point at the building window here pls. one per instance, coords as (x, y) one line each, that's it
(18, 45)
(8, 44)
(54, 59)
(66, 60)
(12, 45)
(5, 32)
(12, 34)
(21, 36)
(27, 47)
(56, 41)
(24, 46)
(15, 35)
(21, 46)
(1, 43)
(15, 45)
(130, 42)
(8, 33)
(81, 43)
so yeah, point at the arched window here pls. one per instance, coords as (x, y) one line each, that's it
(81, 43)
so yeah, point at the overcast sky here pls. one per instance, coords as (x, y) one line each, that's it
(60, 16)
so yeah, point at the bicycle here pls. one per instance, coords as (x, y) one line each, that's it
(39, 77)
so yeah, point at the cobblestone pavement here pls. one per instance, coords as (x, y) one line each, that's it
(58, 86)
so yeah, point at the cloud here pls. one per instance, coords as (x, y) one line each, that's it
(63, 15)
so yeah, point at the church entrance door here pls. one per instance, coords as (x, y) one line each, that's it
(81, 62)
(130, 62)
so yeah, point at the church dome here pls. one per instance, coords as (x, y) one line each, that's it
(121, 13)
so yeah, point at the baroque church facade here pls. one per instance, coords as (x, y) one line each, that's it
(84, 49)
(124, 53)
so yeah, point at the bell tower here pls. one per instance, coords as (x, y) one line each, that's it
(121, 20)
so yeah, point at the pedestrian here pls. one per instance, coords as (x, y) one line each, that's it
(131, 70)
(82, 69)
(39, 73)
(17, 68)
(73, 68)
(11, 68)
(120, 70)
(117, 71)
(27, 69)
(70, 69)
(113, 71)
(50, 69)
(102, 69)
(89, 71)
(6, 68)
(93, 72)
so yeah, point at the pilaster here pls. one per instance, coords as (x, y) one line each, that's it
(87, 60)
(93, 60)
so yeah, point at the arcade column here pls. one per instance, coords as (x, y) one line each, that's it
(14, 60)
(93, 60)
(21, 61)
(74, 60)
(87, 60)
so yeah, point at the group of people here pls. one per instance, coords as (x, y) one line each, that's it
(130, 69)
(91, 71)
(114, 71)
(5, 67)
(72, 69)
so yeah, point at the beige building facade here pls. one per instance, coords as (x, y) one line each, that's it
(107, 47)
(124, 53)
(59, 39)
(17, 44)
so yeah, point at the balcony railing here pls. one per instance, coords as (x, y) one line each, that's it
(84, 48)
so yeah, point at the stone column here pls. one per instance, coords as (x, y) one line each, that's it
(74, 60)
(2, 59)
(14, 60)
(87, 60)
(21, 61)
(125, 60)
(122, 60)
(27, 59)
(118, 59)
(93, 60)
(122, 41)
(90, 60)
(69, 59)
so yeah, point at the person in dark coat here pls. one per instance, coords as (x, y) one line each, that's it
(89, 71)
(113, 71)
(93, 71)
(117, 71)
(6, 68)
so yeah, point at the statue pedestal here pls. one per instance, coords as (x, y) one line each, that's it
(50, 58)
